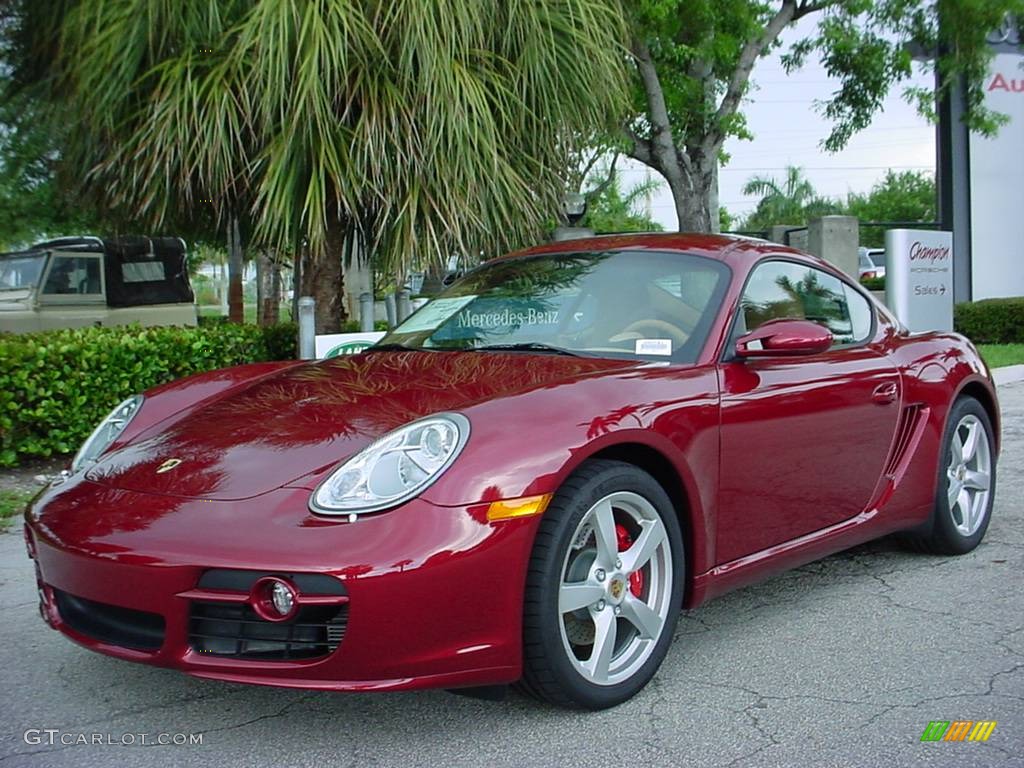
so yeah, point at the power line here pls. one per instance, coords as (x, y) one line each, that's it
(835, 168)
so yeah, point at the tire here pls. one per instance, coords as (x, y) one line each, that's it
(963, 507)
(620, 619)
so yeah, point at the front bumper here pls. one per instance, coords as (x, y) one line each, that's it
(425, 596)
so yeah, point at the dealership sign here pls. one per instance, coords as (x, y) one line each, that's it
(996, 170)
(919, 278)
(340, 344)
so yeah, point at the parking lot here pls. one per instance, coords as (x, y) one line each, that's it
(840, 663)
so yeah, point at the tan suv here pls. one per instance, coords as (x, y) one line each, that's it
(73, 282)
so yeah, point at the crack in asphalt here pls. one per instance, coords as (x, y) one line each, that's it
(280, 713)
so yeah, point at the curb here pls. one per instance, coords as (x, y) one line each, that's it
(1010, 374)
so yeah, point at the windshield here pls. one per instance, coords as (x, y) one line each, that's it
(20, 270)
(626, 304)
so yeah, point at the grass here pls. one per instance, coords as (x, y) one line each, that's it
(999, 355)
(215, 310)
(12, 504)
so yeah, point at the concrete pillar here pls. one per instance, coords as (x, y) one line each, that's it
(365, 312)
(307, 328)
(777, 233)
(404, 305)
(835, 239)
(571, 233)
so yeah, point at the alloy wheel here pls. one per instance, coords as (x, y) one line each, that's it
(615, 592)
(969, 474)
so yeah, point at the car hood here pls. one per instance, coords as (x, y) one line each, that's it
(308, 418)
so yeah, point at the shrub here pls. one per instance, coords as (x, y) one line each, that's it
(353, 326)
(873, 283)
(212, 320)
(55, 386)
(282, 341)
(991, 321)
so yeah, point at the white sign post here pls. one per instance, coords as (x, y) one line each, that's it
(919, 278)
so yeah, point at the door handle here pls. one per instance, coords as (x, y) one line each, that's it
(885, 393)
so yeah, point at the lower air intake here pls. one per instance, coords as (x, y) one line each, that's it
(234, 630)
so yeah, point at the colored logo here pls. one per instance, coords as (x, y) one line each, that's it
(958, 730)
(349, 348)
(617, 589)
(167, 466)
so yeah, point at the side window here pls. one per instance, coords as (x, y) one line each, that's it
(74, 275)
(861, 314)
(786, 290)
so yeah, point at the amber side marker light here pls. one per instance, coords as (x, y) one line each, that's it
(524, 507)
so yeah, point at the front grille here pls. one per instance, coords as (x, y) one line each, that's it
(112, 624)
(235, 630)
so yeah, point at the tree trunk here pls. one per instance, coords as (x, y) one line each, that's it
(260, 268)
(268, 288)
(714, 211)
(323, 278)
(695, 196)
(274, 310)
(236, 308)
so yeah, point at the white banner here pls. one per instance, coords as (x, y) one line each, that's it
(997, 171)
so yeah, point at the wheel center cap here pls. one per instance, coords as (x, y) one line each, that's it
(616, 589)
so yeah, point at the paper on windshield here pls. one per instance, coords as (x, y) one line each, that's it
(653, 347)
(433, 314)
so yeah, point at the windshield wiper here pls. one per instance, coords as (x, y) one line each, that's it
(392, 347)
(526, 346)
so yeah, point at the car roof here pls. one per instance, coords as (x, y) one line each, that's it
(737, 249)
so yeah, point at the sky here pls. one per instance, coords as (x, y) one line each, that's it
(788, 131)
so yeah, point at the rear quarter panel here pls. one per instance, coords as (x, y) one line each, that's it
(936, 369)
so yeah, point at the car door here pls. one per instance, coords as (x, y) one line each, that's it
(803, 439)
(72, 294)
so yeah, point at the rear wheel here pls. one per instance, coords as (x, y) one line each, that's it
(604, 588)
(966, 483)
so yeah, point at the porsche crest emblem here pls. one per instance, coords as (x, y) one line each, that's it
(617, 588)
(167, 466)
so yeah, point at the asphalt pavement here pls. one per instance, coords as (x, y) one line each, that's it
(843, 662)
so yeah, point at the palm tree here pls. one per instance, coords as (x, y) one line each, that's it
(787, 202)
(414, 129)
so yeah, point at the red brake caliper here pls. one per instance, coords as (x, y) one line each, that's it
(625, 541)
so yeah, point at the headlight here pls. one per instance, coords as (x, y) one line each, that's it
(106, 433)
(394, 468)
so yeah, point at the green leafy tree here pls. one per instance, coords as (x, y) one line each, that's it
(694, 60)
(415, 129)
(908, 196)
(610, 209)
(34, 203)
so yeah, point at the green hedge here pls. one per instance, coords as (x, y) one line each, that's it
(991, 321)
(55, 386)
(873, 283)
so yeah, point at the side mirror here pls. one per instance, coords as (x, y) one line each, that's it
(785, 338)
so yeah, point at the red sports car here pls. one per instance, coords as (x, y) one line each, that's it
(527, 480)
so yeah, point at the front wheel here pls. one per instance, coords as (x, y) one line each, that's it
(966, 484)
(604, 588)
